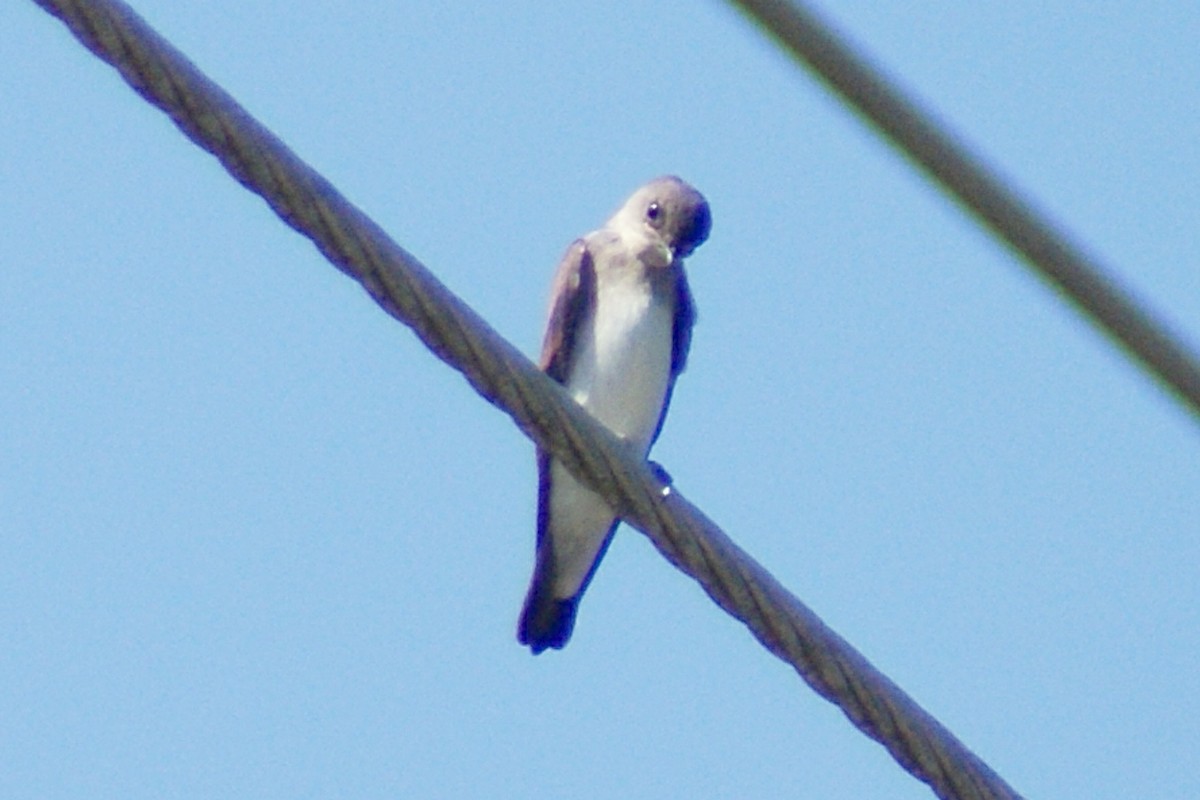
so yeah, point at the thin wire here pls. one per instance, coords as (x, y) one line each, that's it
(1049, 251)
(540, 407)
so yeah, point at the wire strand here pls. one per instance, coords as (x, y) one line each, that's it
(540, 407)
(965, 178)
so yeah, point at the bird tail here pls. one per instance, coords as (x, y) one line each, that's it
(546, 621)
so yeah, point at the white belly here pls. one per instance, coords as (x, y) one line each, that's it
(622, 369)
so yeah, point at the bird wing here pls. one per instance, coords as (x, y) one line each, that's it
(681, 342)
(572, 292)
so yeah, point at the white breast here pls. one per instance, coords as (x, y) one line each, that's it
(624, 363)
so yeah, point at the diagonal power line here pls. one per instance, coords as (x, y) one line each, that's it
(540, 407)
(964, 177)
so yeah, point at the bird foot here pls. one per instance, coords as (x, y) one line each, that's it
(663, 476)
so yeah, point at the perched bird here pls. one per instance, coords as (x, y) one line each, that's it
(618, 333)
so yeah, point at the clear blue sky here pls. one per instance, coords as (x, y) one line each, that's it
(255, 541)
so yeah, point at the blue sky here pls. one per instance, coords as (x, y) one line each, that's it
(256, 541)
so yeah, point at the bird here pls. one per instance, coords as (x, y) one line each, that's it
(618, 333)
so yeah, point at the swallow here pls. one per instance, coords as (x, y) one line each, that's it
(619, 329)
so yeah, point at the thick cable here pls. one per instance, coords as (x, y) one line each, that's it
(1047, 250)
(540, 407)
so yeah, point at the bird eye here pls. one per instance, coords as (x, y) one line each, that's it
(654, 214)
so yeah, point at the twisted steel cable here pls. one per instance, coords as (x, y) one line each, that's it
(1011, 218)
(540, 407)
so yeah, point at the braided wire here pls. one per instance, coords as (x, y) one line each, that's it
(501, 374)
(1051, 255)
